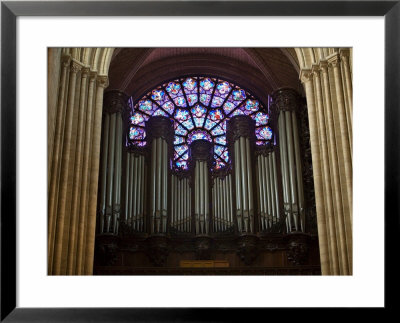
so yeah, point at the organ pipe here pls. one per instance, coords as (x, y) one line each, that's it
(240, 131)
(160, 133)
(286, 102)
(111, 159)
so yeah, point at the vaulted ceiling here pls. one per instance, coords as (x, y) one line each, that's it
(135, 71)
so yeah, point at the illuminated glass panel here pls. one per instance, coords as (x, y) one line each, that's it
(199, 107)
(197, 135)
(137, 133)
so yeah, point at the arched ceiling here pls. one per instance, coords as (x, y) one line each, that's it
(260, 70)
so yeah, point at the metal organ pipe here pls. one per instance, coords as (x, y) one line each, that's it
(238, 185)
(104, 171)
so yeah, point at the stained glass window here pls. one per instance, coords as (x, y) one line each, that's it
(199, 107)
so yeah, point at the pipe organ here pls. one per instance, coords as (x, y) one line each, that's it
(181, 204)
(240, 137)
(285, 102)
(153, 197)
(111, 157)
(201, 153)
(222, 203)
(159, 131)
(135, 191)
(267, 187)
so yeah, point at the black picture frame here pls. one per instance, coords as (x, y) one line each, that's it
(10, 10)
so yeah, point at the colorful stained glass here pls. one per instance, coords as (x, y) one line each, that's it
(264, 133)
(237, 112)
(173, 87)
(197, 135)
(207, 84)
(190, 83)
(197, 122)
(169, 107)
(181, 115)
(205, 99)
(216, 102)
(218, 150)
(179, 130)
(198, 111)
(223, 87)
(137, 133)
(137, 118)
(192, 99)
(216, 115)
(178, 140)
(179, 150)
(221, 140)
(217, 131)
(209, 124)
(251, 105)
(225, 155)
(139, 143)
(157, 95)
(160, 112)
(181, 164)
(219, 163)
(180, 101)
(188, 124)
(228, 107)
(238, 95)
(145, 105)
(260, 118)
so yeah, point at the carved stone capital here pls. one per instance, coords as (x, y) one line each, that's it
(285, 100)
(240, 126)
(306, 75)
(334, 60)
(85, 72)
(65, 60)
(324, 66)
(315, 69)
(75, 66)
(115, 101)
(102, 81)
(160, 127)
(201, 150)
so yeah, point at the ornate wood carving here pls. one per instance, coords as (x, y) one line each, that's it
(115, 101)
(248, 248)
(203, 246)
(157, 250)
(297, 249)
(160, 127)
(285, 100)
(201, 150)
(308, 179)
(106, 251)
(240, 126)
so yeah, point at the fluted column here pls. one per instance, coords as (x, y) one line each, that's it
(286, 103)
(115, 103)
(201, 154)
(240, 133)
(160, 136)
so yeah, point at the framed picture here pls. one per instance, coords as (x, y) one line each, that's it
(13, 174)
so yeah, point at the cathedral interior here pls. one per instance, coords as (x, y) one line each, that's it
(200, 161)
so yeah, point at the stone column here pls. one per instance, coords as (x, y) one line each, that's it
(201, 154)
(115, 103)
(160, 137)
(286, 102)
(241, 138)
